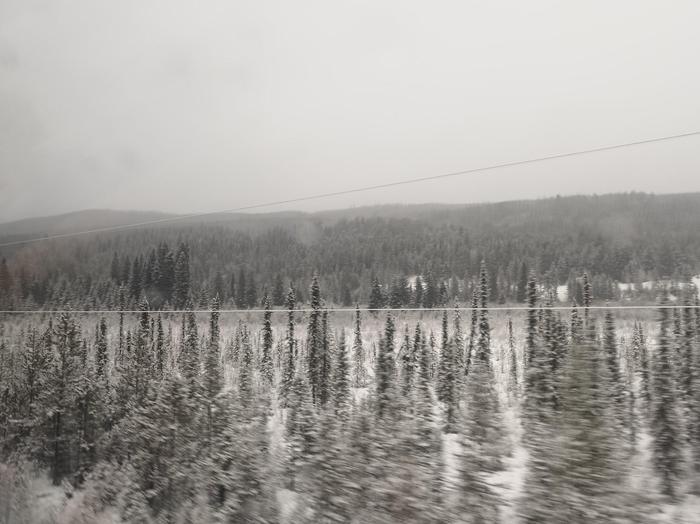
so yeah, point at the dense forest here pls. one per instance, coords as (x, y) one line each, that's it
(365, 417)
(143, 400)
(372, 256)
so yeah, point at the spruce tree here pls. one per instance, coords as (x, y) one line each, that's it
(59, 397)
(445, 365)
(587, 299)
(160, 350)
(189, 355)
(101, 356)
(418, 293)
(181, 275)
(471, 347)
(376, 296)
(359, 367)
(266, 365)
(324, 362)
(483, 345)
(341, 380)
(315, 340)
(213, 372)
(521, 290)
(385, 369)
(289, 358)
(531, 341)
(481, 446)
(667, 452)
(278, 296)
(245, 371)
(241, 289)
(513, 357)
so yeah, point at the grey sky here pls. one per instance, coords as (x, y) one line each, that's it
(197, 106)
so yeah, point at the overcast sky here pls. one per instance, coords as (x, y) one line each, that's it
(205, 105)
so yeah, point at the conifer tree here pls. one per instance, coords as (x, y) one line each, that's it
(430, 296)
(481, 446)
(376, 296)
(582, 452)
(160, 350)
(189, 355)
(324, 362)
(315, 341)
(289, 359)
(471, 347)
(687, 377)
(359, 367)
(513, 357)
(59, 397)
(587, 298)
(611, 359)
(341, 380)
(483, 346)
(241, 289)
(531, 341)
(521, 290)
(576, 325)
(664, 418)
(418, 293)
(459, 345)
(245, 370)
(278, 296)
(213, 373)
(101, 356)
(266, 365)
(181, 275)
(385, 369)
(445, 365)
(408, 363)
(301, 432)
(251, 293)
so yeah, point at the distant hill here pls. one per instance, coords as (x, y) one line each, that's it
(627, 237)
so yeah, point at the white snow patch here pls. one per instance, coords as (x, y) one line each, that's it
(563, 293)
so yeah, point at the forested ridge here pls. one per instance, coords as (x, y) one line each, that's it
(612, 238)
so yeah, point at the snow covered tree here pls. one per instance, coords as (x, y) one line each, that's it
(315, 341)
(181, 273)
(289, 360)
(483, 344)
(665, 421)
(325, 360)
(385, 369)
(266, 365)
(376, 296)
(531, 341)
(471, 347)
(189, 354)
(359, 369)
(59, 398)
(341, 379)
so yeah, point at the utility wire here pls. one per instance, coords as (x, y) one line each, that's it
(335, 310)
(355, 190)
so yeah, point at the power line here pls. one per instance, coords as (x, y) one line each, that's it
(354, 190)
(336, 310)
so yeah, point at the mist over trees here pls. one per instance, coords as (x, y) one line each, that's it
(406, 256)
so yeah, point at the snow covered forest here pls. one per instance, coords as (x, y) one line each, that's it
(321, 416)
(365, 369)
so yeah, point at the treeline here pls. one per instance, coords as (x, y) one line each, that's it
(168, 423)
(617, 238)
